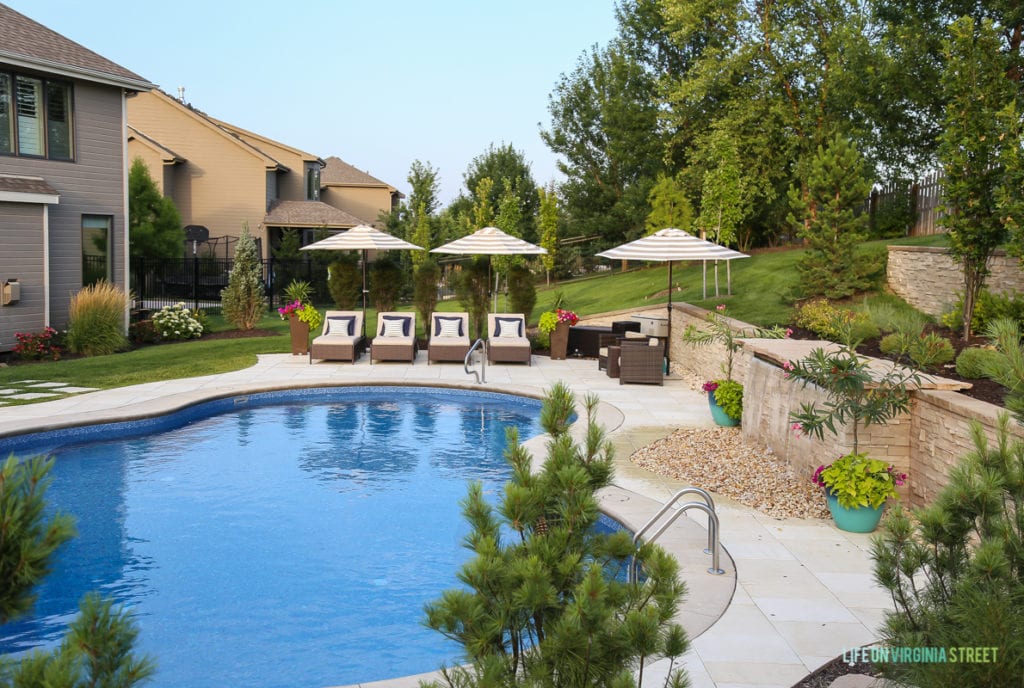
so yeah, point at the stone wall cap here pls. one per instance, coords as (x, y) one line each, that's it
(782, 351)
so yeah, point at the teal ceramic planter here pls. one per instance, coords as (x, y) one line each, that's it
(862, 519)
(720, 417)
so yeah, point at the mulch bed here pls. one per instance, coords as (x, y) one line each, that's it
(823, 676)
(982, 389)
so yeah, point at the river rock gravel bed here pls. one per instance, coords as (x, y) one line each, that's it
(718, 460)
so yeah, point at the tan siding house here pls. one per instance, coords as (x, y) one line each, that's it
(63, 175)
(224, 177)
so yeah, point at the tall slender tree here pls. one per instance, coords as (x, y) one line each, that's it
(977, 90)
(548, 226)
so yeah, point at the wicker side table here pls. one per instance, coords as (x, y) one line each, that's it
(613, 360)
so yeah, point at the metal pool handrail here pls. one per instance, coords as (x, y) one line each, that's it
(707, 506)
(482, 375)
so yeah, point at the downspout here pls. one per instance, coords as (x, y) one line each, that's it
(46, 265)
(124, 195)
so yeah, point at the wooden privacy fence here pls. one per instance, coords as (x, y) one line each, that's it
(924, 197)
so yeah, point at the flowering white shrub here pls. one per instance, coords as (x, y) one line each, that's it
(177, 322)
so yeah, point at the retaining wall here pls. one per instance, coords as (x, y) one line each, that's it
(929, 279)
(925, 443)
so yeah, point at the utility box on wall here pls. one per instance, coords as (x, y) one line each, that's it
(11, 292)
(652, 325)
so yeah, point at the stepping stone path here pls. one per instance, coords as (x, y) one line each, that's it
(37, 389)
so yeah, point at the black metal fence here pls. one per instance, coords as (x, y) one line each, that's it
(197, 281)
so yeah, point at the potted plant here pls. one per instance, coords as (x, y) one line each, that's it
(725, 395)
(555, 324)
(856, 488)
(857, 397)
(298, 295)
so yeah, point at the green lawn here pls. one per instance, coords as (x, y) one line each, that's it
(759, 287)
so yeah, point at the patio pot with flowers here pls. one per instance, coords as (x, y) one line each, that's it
(556, 325)
(725, 395)
(856, 486)
(856, 489)
(301, 315)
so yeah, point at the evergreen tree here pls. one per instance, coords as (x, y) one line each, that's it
(827, 219)
(154, 224)
(242, 301)
(955, 571)
(539, 603)
(548, 228)
(669, 205)
(97, 650)
(976, 86)
(345, 283)
(472, 286)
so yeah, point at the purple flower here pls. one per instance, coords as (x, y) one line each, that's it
(710, 386)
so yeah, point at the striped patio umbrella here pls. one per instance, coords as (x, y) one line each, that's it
(490, 241)
(670, 245)
(362, 238)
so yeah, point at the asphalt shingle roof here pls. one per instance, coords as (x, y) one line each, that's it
(31, 185)
(308, 214)
(25, 41)
(337, 171)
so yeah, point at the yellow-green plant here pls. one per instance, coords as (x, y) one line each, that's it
(97, 320)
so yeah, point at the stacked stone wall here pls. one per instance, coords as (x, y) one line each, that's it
(929, 279)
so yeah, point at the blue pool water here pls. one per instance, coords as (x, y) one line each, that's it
(291, 539)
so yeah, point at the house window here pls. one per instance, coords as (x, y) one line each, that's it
(6, 134)
(96, 235)
(313, 183)
(36, 117)
(29, 103)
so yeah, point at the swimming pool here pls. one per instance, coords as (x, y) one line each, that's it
(278, 539)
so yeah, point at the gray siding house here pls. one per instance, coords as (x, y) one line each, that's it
(63, 173)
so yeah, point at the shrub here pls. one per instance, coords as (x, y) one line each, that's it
(242, 300)
(38, 347)
(521, 291)
(386, 281)
(143, 332)
(973, 361)
(345, 282)
(473, 289)
(176, 322)
(96, 325)
(828, 321)
(989, 307)
(931, 350)
(424, 290)
(896, 344)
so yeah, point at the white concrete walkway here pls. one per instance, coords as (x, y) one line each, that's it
(804, 590)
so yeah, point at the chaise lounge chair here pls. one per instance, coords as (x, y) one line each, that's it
(506, 339)
(449, 337)
(342, 337)
(396, 338)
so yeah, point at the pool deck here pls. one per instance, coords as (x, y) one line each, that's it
(796, 592)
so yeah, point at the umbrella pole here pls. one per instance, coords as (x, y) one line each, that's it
(728, 276)
(668, 340)
(364, 292)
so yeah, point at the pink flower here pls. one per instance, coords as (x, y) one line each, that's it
(709, 386)
(720, 308)
(798, 429)
(789, 332)
(816, 478)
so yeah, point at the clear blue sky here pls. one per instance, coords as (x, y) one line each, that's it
(379, 84)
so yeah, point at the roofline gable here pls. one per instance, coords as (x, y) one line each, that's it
(166, 153)
(239, 131)
(211, 123)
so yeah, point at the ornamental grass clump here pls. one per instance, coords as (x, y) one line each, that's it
(97, 320)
